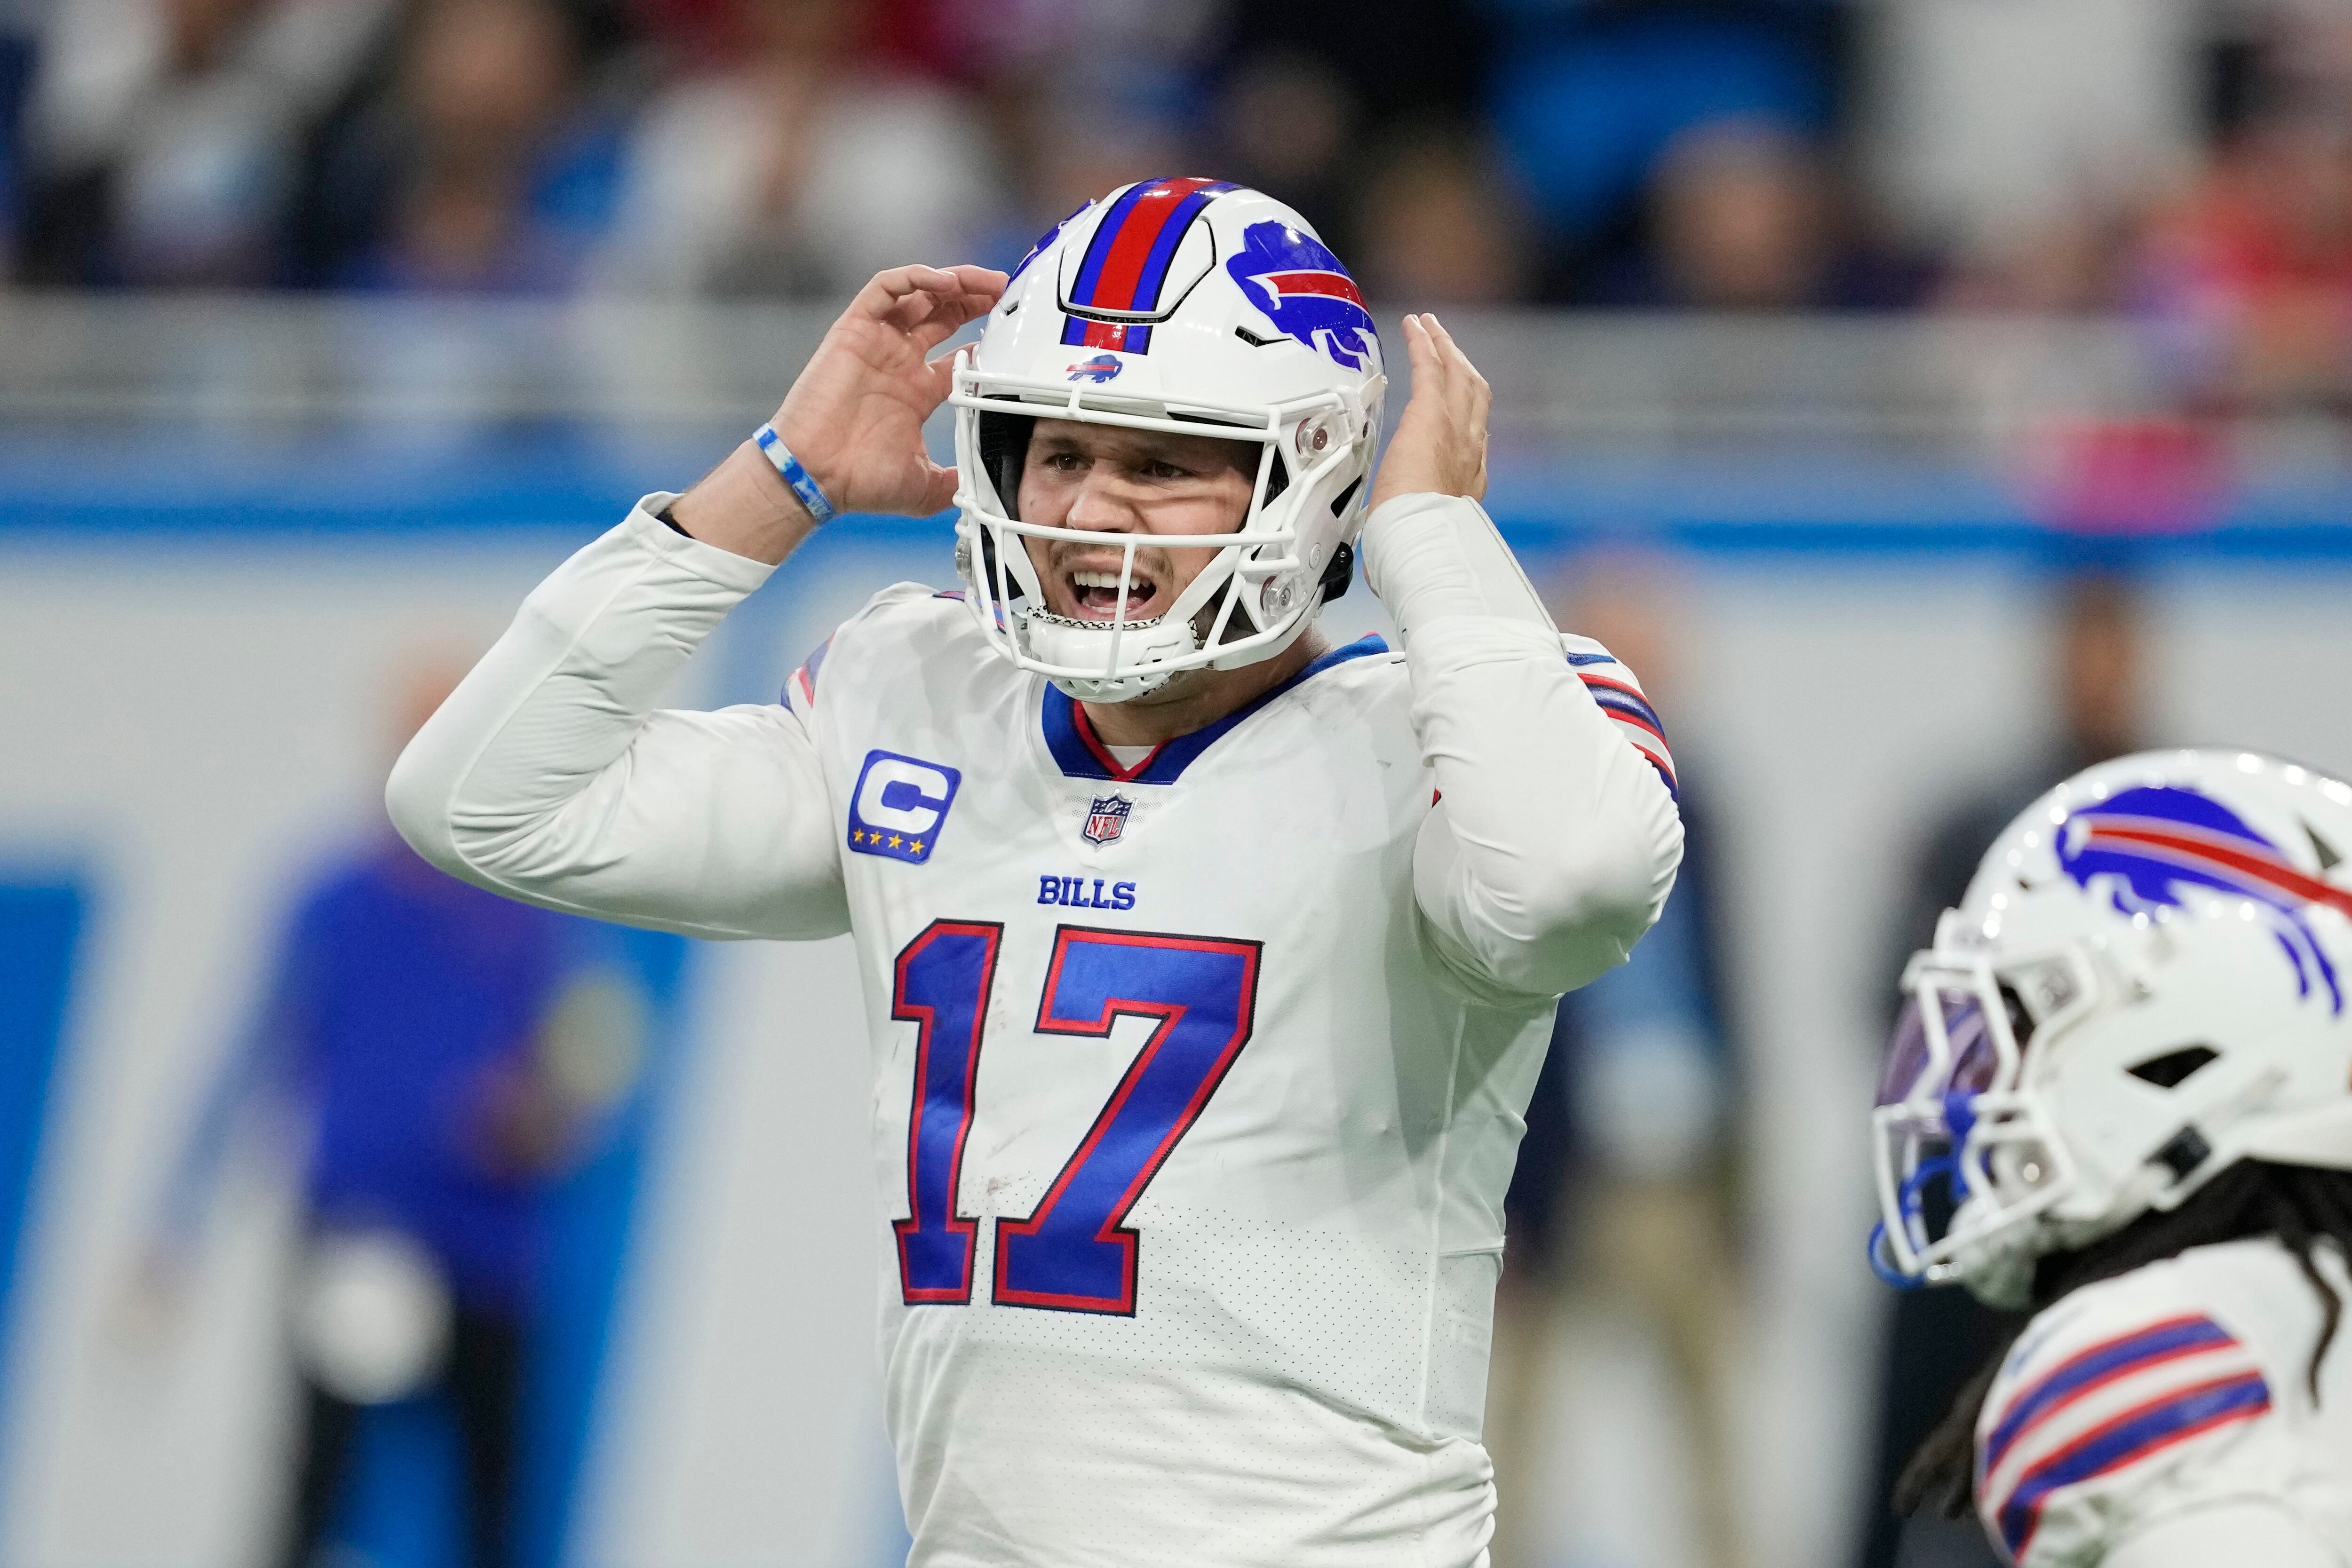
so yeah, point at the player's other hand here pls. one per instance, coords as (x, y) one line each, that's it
(855, 417)
(1440, 444)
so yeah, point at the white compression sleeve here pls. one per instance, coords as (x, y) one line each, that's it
(1430, 556)
(549, 776)
(1554, 843)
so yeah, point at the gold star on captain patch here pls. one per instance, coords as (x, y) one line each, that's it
(917, 846)
(895, 842)
(856, 836)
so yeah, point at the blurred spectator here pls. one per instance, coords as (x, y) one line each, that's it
(1742, 218)
(482, 166)
(1076, 157)
(1744, 215)
(165, 138)
(1436, 225)
(1938, 1337)
(448, 1054)
(1084, 96)
(1287, 123)
(17, 30)
(1587, 98)
(2018, 137)
(2252, 277)
(802, 167)
(1619, 1206)
(1305, 87)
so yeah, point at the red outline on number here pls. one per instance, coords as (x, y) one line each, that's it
(1114, 1008)
(923, 1017)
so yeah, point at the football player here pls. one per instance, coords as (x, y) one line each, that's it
(2120, 1095)
(1209, 966)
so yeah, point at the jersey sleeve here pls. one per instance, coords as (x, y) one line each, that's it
(2129, 1404)
(550, 776)
(2261, 1532)
(1618, 694)
(1555, 840)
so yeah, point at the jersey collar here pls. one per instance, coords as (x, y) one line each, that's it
(1080, 754)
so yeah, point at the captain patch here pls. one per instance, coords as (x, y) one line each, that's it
(899, 806)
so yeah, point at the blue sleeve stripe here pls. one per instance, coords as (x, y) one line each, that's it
(2095, 1368)
(1633, 708)
(2126, 1439)
(1624, 691)
(806, 674)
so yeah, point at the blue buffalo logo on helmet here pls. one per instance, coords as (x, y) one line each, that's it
(2151, 840)
(1304, 291)
(1099, 369)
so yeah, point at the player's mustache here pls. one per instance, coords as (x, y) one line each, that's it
(1150, 561)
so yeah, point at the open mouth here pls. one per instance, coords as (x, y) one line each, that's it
(1094, 594)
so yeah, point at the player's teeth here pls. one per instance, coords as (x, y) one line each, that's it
(1106, 591)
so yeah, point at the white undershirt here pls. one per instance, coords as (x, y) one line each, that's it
(1129, 756)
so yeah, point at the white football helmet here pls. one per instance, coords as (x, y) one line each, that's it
(1195, 307)
(2146, 982)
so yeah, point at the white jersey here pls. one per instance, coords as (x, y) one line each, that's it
(2178, 1389)
(1197, 1082)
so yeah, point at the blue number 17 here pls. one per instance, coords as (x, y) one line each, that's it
(1074, 1252)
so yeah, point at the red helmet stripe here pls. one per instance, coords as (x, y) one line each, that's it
(1113, 281)
(1337, 285)
(2198, 849)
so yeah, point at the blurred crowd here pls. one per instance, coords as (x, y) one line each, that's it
(2189, 159)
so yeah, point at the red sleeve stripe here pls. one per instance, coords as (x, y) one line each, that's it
(2088, 1370)
(1625, 713)
(1622, 701)
(1666, 771)
(2136, 1434)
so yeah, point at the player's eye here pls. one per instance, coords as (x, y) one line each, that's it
(1159, 469)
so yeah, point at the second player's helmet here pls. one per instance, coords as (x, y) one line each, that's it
(1194, 307)
(2148, 980)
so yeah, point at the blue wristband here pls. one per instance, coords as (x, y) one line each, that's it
(802, 484)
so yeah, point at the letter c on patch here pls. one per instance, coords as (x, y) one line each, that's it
(900, 805)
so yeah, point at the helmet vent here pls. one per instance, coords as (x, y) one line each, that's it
(2329, 859)
(1339, 502)
(2170, 1069)
(1253, 340)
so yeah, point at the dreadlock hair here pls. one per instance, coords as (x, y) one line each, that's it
(2300, 1205)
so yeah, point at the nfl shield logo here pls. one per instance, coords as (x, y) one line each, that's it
(1107, 818)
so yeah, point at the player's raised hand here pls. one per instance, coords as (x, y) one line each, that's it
(1440, 445)
(855, 417)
